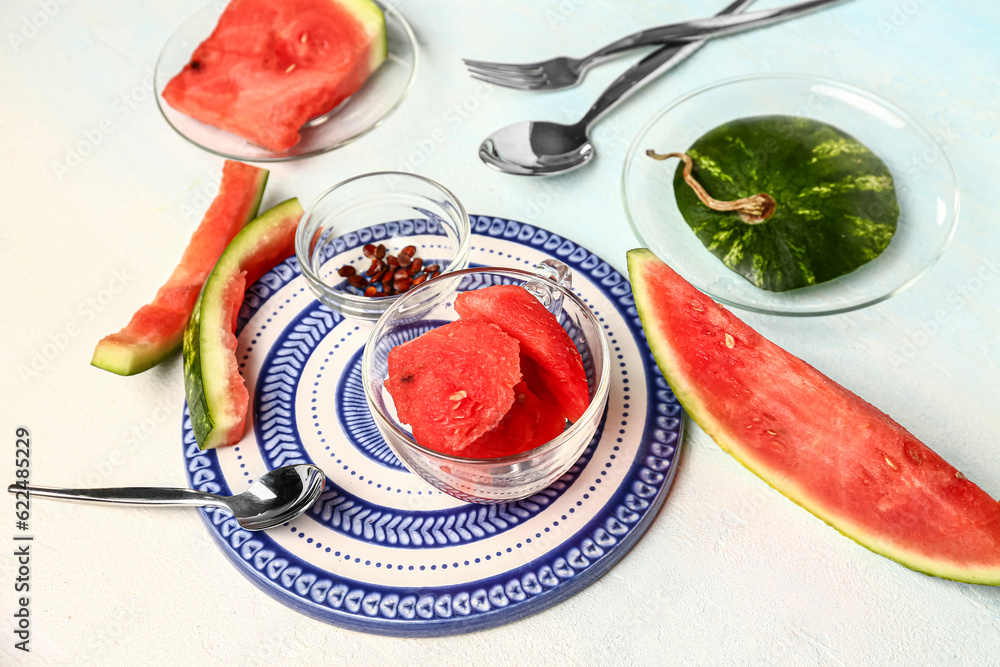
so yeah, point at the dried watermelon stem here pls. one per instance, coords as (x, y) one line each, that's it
(753, 210)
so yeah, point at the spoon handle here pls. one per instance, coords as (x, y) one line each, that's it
(719, 25)
(128, 495)
(647, 69)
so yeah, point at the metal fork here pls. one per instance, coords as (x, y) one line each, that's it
(563, 72)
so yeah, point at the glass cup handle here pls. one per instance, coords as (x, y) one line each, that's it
(550, 271)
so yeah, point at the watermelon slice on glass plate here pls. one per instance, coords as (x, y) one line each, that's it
(269, 67)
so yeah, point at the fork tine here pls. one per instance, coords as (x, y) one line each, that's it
(508, 76)
(504, 67)
(505, 83)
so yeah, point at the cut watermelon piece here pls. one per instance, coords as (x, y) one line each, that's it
(268, 67)
(516, 431)
(533, 420)
(552, 419)
(156, 329)
(454, 383)
(542, 338)
(217, 400)
(814, 441)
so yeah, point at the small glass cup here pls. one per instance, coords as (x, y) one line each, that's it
(508, 478)
(395, 209)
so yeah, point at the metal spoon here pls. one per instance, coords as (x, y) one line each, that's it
(542, 148)
(278, 496)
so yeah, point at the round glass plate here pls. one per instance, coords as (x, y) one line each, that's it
(384, 552)
(925, 186)
(359, 114)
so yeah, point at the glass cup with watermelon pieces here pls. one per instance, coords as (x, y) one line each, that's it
(495, 477)
(352, 240)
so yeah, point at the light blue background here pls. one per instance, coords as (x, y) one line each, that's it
(729, 571)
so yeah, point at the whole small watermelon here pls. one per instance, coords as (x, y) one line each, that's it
(836, 200)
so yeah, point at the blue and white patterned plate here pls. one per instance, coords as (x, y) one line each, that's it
(384, 552)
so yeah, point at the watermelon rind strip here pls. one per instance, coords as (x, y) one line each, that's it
(128, 352)
(217, 399)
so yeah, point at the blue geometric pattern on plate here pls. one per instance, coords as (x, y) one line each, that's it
(354, 561)
(278, 440)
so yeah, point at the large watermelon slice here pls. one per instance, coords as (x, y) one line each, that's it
(524, 318)
(216, 398)
(156, 329)
(814, 441)
(270, 66)
(454, 383)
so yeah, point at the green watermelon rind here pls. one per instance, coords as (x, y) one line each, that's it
(685, 389)
(133, 358)
(373, 18)
(208, 362)
(836, 201)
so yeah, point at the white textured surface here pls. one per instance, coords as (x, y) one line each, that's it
(729, 572)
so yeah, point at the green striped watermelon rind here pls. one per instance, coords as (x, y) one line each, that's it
(685, 388)
(217, 399)
(155, 331)
(836, 200)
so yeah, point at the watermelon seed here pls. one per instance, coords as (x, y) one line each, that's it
(730, 342)
(890, 463)
(304, 38)
(290, 68)
(959, 474)
(458, 395)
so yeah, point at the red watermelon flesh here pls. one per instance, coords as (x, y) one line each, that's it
(817, 443)
(155, 330)
(269, 66)
(216, 396)
(542, 338)
(454, 383)
(516, 431)
(552, 420)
